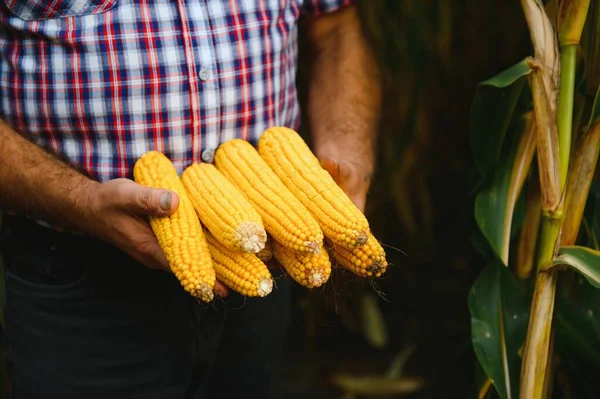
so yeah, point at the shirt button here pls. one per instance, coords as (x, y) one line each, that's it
(208, 155)
(204, 74)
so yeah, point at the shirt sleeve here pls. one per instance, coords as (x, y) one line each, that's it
(317, 7)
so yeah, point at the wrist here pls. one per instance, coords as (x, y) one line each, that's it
(85, 206)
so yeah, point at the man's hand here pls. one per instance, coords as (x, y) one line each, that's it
(118, 213)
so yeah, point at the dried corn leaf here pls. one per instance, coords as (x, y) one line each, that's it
(547, 141)
(545, 49)
(525, 256)
(581, 173)
(578, 185)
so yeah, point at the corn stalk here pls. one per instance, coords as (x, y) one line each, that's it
(555, 196)
(554, 145)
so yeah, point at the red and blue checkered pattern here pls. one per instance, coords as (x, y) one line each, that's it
(100, 82)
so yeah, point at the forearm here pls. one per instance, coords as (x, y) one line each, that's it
(344, 91)
(37, 184)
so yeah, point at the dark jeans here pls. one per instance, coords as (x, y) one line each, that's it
(84, 321)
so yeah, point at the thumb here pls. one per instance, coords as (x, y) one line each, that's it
(157, 202)
(151, 201)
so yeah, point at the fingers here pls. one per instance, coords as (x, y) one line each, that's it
(332, 166)
(156, 257)
(221, 289)
(151, 255)
(345, 175)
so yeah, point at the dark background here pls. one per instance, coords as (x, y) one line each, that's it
(432, 55)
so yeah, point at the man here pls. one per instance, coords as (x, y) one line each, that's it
(89, 86)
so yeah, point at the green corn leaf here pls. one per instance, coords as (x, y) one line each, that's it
(495, 203)
(499, 318)
(492, 112)
(583, 259)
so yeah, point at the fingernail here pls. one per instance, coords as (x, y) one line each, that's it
(165, 201)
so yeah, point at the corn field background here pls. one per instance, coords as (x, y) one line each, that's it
(448, 319)
(445, 138)
(410, 335)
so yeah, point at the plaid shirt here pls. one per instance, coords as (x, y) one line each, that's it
(100, 82)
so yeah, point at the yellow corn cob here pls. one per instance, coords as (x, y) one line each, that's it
(223, 210)
(266, 253)
(180, 235)
(293, 162)
(367, 261)
(283, 215)
(309, 270)
(240, 271)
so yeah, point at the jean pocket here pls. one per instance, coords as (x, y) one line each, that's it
(32, 10)
(43, 266)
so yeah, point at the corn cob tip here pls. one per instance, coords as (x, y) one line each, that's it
(203, 292)
(376, 268)
(368, 260)
(251, 236)
(308, 269)
(317, 278)
(265, 286)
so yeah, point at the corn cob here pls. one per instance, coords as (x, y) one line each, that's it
(240, 271)
(293, 162)
(223, 210)
(309, 270)
(179, 235)
(283, 215)
(367, 261)
(266, 253)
